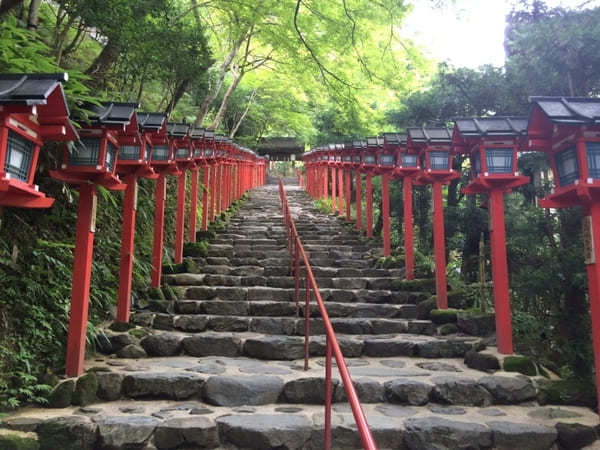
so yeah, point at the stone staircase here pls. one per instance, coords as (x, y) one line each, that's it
(222, 367)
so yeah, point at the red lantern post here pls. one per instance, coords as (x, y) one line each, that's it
(355, 155)
(197, 142)
(369, 164)
(434, 146)
(492, 144)
(567, 129)
(332, 165)
(347, 167)
(90, 162)
(32, 111)
(179, 135)
(133, 163)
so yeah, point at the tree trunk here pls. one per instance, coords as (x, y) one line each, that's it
(230, 90)
(212, 94)
(181, 88)
(239, 122)
(102, 64)
(33, 18)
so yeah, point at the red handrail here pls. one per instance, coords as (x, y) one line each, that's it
(332, 346)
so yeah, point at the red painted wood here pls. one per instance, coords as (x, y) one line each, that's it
(193, 204)
(385, 213)
(180, 218)
(369, 198)
(159, 224)
(340, 185)
(80, 290)
(348, 180)
(409, 245)
(593, 275)
(358, 194)
(213, 186)
(333, 190)
(127, 249)
(500, 273)
(205, 194)
(218, 189)
(439, 246)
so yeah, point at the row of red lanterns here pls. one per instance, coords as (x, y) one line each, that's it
(566, 129)
(116, 148)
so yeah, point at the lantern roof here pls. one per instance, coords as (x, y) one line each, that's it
(151, 121)
(490, 126)
(569, 110)
(395, 138)
(430, 135)
(177, 129)
(209, 134)
(113, 113)
(374, 141)
(43, 92)
(197, 133)
(359, 144)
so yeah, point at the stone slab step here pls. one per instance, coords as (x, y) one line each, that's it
(258, 293)
(284, 347)
(165, 424)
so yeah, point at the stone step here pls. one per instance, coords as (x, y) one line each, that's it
(168, 424)
(258, 293)
(276, 309)
(284, 347)
(290, 326)
(279, 271)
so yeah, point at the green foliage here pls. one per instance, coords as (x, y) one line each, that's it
(196, 249)
(443, 316)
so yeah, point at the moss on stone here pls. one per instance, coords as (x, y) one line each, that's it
(424, 284)
(178, 291)
(206, 235)
(168, 293)
(138, 332)
(567, 392)
(425, 307)
(459, 299)
(120, 326)
(155, 294)
(448, 328)
(521, 364)
(18, 440)
(442, 316)
(62, 394)
(186, 266)
(85, 389)
(196, 249)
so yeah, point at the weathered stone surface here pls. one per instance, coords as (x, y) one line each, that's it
(109, 385)
(62, 394)
(262, 431)
(575, 435)
(460, 391)
(197, 432)
(447, 410)
(67, 433)
(351, 348)
(18, 440)
(165, 344)
(126, 431)
(226, 308)
(190, 323)
(388, 347)
(349, 283)
(509, 390)
(275, 347)
(132, 351)
(443, 348)
(481, 361)
(476, 325)
(171, 385)
(163, 322)
(310, 390)
(229, 323)
(408, 391)
(85, 389)
(143, 319)
(438, 366)
(526, 436)
(118, 341)
(248, 271)
(268, 325)
(438, 433)
(209, 345)
(25, 424)
(242, 390)
(351, 326)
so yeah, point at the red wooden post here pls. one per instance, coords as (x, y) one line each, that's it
(340, 184)
(219, 189)
(127, 248)
(409, 246)
(159, 224)
(358, 195)
(213, 186)
(333, 190)
(500, 272)
(591, 215)
(348, 192)
(369, 198)
(82, 267)
(205, 183)
(180, 218)
(193, 203)
(325, 188)
(439, 246)
(385, 213)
